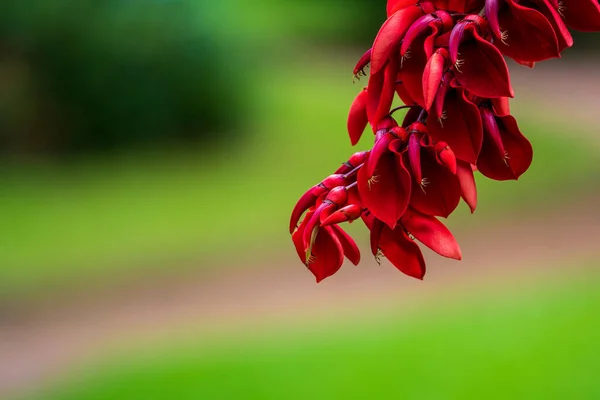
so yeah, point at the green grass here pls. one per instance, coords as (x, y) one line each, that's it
(100, 216)
(523, 340)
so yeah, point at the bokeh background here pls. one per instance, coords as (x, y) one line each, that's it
(150, 154)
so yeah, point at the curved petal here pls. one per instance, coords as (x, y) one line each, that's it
(327, 254)
(480, 68)
(387, 192)
(582, 15)
(390, 35)
(376, 227)
(563, 36)
(402, 252)
(388, 90)
(357, 117)
(459, 126)
(439, 194)
(349, 246)
(468, 188)
(374, 94)
(414, 157)
(501, 106)
(411, 71)
(359, 69)
(396, 5)
(307, 200)
(403, 93)
(518, 157)
(379, 149)
(432, 233)
(432, 76)
(529, 37)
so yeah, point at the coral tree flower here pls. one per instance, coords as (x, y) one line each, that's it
(444, 59)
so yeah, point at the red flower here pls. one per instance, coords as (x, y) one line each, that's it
(444, 60)
(325, 255)
(455, 120)
(480, 68)
(384, 185)
(506, 153)
(582, 15)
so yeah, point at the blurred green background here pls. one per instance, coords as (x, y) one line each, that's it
(150, 154)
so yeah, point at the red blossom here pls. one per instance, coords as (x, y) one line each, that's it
(444, 59)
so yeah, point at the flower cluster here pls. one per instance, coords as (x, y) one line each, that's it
(444, 59)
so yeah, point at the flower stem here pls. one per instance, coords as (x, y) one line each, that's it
(354, 171)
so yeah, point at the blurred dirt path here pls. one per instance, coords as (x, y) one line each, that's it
(569, 90)
(39, 345)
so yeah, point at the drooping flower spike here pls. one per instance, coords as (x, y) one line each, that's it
(444, 59)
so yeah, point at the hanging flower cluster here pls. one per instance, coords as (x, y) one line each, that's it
(444, 59)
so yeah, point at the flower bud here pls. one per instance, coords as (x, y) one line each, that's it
(445, 156)
(348, 213)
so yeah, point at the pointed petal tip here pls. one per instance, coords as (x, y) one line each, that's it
(457, 256)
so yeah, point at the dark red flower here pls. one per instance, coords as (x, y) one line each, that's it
(506, 153)
(458, 123)
(386, 190)
(325, 254)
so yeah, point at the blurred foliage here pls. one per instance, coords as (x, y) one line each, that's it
(79, 75)
(85, 75)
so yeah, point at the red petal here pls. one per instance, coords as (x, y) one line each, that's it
(457, 36)
(530, 37)
(411, 72)
(388, 90)
(432, 76)
(483, 71)
(563, 36)
(492, 130)
(460, 126)
(501, 106)
(414, 157)
(447, 158)
(396, 5)
(386, 194)
(374, 94)
(441, 193)
(297, 236)
(438, 105)
(492, 9)
(327, 255)
(351, 250)
(583, 15)
(357, 118)
(359, 69)
(375, 236)
(390, 35)
(307, 200)
(314, 223)
(344, 214)
(380, 148)
(418, 28)
(327, 251)
(468, 189)
(402, 252)
(518, 150)
(432, 233)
